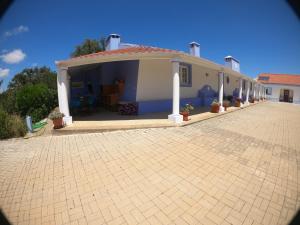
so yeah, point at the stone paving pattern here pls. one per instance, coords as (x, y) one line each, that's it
(240, 168)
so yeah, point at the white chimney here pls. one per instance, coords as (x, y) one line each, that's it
(232, 63)
(194, 49)
(113, 42)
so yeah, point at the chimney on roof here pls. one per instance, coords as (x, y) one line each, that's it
(112, 42)
(194, 49)
(232, 63)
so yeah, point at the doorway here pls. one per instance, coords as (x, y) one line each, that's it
(286, 94)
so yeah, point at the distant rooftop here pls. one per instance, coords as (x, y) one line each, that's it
(270, 78)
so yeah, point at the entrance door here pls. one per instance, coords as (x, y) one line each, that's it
(286, 94)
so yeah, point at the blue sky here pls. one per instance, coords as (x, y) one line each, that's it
(263, 34)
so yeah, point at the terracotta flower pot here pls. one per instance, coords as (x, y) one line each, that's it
(237, 104)
(185, 116)
(58, 123)
(215, 108)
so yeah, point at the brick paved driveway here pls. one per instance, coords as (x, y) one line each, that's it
(240, 168)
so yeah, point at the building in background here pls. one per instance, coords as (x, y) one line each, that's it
(281, 87)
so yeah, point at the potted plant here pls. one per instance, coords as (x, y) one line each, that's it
(251, 100)
(185, 111)
(238, 102)
(226, 104)
(215, 106)
(57, 119)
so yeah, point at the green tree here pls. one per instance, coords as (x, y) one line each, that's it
(34, 75)
(8, 101)
(89, 46)
(36, 100)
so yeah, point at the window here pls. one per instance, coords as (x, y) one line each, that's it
(185, 75)
(269, 91)
(227, 79)
(251, 86)
(244, 84)
(263, 78)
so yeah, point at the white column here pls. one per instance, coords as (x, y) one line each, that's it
(63, 86)
(240, 88)
(69, 87)
(221, 88)
(265, 94)
(254, 90)
(247, 92)
(175, 116)
(259, 92)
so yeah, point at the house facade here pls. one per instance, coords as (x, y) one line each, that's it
(155, 79)
(281, 87)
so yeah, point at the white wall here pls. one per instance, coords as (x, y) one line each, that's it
(155, 80)
(276, 92)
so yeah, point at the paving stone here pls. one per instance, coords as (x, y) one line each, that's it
(238, 168)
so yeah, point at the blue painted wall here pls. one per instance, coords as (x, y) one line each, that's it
(206, 95)
(125, 70)
(106, 74)
(164, 105)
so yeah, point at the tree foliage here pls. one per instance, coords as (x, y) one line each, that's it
(89, 46)
(36, 100)
(31, 92)
(34, 75)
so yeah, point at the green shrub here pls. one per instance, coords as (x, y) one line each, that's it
(36, 101)
(17, 126)
(4, 124)
(11, 125)
(8, 101)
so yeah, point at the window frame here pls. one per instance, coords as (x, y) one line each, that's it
(268, 89)
(188, 74)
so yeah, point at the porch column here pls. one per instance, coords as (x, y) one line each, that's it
(175, 116)
(259, 92)
(221, 88)
(247, 92)
(63, 87)
(240, 88)
(254, 90)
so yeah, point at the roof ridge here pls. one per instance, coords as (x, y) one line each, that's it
(287, 74)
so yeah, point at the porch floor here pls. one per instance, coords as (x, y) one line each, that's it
(104, 120)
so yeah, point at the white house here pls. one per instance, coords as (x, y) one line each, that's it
(155, 79)
(281, 87)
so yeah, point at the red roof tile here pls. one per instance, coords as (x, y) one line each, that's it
(268, 78)
(130, 50)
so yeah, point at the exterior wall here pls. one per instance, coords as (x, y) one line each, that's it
(155, 80)
(230, 87)
(276, 92)
(154, 90)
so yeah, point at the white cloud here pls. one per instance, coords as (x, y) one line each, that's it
(13, 57)
(17, 30)
(3, 72)
(34, 65)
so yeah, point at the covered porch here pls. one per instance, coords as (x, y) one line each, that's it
(86, 82)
